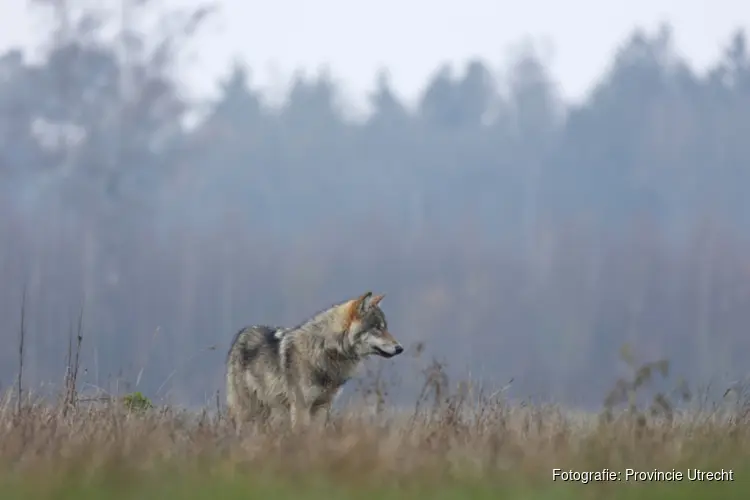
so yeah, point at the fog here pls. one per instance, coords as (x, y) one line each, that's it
(516, 235)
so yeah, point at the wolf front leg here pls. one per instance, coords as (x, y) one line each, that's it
(299, 417)
(299, 412)
(320, 413)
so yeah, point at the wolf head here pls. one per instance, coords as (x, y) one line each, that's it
(367, 328)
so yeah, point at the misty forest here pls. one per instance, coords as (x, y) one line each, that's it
(515, 235)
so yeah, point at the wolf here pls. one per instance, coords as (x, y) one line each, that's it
(300, 370)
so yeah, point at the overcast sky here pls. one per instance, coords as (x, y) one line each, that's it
(355, 38)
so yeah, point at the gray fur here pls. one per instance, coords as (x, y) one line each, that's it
(301, 370)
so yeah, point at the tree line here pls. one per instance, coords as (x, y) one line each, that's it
(518, 235)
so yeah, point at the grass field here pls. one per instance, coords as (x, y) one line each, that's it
(454, 445)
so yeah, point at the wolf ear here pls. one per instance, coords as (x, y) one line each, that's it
(367, 302)
(376, 300)
(362, 304)
(356, 308)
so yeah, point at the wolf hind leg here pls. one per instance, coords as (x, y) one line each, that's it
(258, 412)
(320, 413)
(237, 403)
(248, 410)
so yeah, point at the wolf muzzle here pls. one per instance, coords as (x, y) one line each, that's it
(396, 351)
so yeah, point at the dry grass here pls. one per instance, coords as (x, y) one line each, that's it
(457, 444)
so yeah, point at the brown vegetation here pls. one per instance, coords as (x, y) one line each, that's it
(456, 432)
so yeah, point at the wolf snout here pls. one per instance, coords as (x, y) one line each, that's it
(388, 351)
